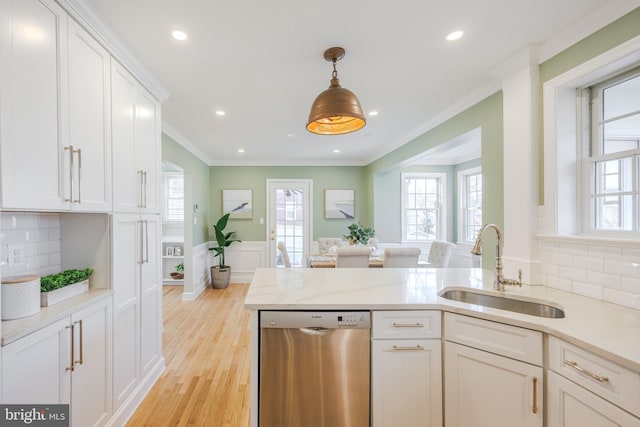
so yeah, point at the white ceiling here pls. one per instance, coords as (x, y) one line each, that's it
(261, 62)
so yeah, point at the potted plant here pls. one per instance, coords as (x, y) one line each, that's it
(58, 287)
(221, 274)
(359, 235)
(179, 273)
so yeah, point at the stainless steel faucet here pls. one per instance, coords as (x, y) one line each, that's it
(499, 281)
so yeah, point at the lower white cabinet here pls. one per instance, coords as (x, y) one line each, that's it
(570, 405)
(585, 389)
(406, 382)
(485, 389)
(67, 362)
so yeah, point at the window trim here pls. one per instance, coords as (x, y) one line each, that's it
(442, 219)
(561, 213)
(165, 202)
(462, 196)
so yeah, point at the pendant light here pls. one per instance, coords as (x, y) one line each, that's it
(337, 110)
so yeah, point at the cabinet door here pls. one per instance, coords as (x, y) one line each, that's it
(126, 259)
(406, 383)
(33, 57)
(91, 379)
(136, 144)
(151, 295)
(89, 122)
(573, 406)
(484, 389)
(148, 149)
(36, 368)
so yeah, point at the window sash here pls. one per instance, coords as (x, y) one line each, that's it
(423, 206)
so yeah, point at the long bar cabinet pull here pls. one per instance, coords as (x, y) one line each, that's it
(79, 199)
(582, 370)
(408, 325)
(80, 361)
(140, 198)
(73, 344)
(535, 395)
(71, 168)
(146, 241)
(406, 348)
(140, 242)
(144, 204)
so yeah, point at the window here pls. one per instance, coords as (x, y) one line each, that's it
(470, 202)
(423, 206)
(174, 198)
(611, 165)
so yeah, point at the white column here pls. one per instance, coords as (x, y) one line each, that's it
(520, 76)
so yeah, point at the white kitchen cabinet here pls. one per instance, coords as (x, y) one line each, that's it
(406, 369)
(587, 389)
(573, 406)
(136, 144)
(137, 301)
(69, 360)
(54, 111)
(484, 388)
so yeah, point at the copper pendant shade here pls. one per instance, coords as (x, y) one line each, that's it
(337, 110)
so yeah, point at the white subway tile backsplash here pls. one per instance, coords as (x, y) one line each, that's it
(40, 235)
(588, 263)
(622, 298)
(561, 258)
(559, 283)
(572, 273)
(605, 280)
(573, 248)
(630, 285)
(605, 251)
(623, 268)
(588, 290)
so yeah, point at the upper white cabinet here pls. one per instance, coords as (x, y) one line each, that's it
(136, 144)
(55, 146)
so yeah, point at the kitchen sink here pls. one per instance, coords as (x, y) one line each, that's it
(531, 308)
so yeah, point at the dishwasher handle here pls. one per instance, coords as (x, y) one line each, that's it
(315, 330)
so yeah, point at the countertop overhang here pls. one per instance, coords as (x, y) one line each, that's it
(610, 330)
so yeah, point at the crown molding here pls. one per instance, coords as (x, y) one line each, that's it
(88, 16)
(174, 134)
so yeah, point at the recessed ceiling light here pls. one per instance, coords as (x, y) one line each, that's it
(240, 150)
(372, 113)
(220, 113)
(455, 35)
(291, 135)
(179, 35)
(336, 151)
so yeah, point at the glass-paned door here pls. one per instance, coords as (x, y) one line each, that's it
(289, 220)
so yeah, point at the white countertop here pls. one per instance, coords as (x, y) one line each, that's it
(610, 330)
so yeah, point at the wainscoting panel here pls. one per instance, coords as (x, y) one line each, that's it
(201, 278)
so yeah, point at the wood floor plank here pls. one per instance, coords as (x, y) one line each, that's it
(206, 349)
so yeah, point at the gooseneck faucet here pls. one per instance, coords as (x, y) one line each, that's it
(499, 281)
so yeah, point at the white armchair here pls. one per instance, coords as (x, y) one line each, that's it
(285, 255)
(353, 257)
(324, 243)
(440, 254)
(401, 257)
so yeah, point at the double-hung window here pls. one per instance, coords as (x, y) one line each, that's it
(423, 202)
(174, 198)
(611, 156)
(470, 204)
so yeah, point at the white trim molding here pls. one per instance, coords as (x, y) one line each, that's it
(201, 278)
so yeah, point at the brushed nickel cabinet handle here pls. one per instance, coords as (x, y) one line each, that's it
(140, 242)
(408, 325)
(535, 395)
(146, 241)
(71, 368)
(71, 184)
(582, 370)
(79, 151)
(80, 361)
(407, 348)
(140, 196)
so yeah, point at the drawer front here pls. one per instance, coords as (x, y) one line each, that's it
(510, 341)
(406, 324)
(613, 382)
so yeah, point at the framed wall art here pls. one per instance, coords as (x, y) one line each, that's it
(238, 203)
(339, 204)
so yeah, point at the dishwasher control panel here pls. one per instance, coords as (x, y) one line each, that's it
(314, 319)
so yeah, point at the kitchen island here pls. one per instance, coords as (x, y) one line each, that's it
(607, 330)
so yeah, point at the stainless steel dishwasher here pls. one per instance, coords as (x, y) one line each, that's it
(314, 368)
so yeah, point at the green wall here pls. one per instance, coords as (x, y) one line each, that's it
(197, 177)
(383, 174)
(617, 32)
(255, 178)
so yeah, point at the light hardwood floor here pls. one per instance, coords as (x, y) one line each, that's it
(206, 347)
